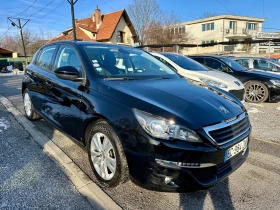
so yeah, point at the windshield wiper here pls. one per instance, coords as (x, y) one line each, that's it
(119, 78)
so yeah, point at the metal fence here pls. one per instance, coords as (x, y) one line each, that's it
(18, 63)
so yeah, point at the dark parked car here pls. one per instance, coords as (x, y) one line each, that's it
(259, 86)
(141, 119)
(258, 63)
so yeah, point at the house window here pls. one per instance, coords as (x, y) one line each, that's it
(182, 30)
(232, 24)
(262, 50)
(277, 50)
(120, 37)
(208, 26)
(252, 26)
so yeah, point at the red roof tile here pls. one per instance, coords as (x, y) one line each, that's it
(109, 23)
(105, 32)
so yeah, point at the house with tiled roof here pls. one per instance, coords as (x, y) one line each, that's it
(114, 27)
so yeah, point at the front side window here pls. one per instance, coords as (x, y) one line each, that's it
(233, 64)
(213, 64)
(67, 56)
(117, 62)
(45, 58)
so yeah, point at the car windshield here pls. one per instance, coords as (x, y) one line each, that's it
(185, 63)
(233, 64)
(121, 62)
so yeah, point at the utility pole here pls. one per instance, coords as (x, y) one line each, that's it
(72, 2)
(20, 29)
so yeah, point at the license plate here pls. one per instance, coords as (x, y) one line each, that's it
(235, 149)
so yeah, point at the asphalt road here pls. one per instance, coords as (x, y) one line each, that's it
(255, 185)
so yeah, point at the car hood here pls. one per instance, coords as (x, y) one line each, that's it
(175, 99)
(213, 75)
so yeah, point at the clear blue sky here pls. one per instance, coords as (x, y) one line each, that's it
(54, 16)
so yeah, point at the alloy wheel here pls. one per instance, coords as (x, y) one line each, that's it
(103, 156)
(255, 92)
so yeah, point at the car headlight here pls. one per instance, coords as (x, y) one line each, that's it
(275, 82)
(162, 128)
(213, 83)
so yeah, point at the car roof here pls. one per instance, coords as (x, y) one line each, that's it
(212, 56)
(79, 43)
(250, 57)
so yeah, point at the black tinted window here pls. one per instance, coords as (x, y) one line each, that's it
(184, 62)
(243, 62)
(213, 64)
(45, 57)
(67, 56)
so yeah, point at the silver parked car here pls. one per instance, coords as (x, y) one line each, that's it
(258, 63)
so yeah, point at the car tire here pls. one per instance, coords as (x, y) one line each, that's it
(256, 92)
(106, 155)
(30, 113)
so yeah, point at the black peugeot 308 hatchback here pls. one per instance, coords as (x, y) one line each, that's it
(135, 116)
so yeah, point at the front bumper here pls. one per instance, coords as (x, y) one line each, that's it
(240, 94)
(203, 164)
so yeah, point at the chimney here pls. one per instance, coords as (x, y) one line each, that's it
(97, 17)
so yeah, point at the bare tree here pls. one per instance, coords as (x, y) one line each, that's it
(167, 31)
(143, 13)
(208, 14)
(33, 41)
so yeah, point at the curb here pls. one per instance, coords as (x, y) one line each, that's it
(86, 187)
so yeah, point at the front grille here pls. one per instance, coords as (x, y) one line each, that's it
(227, 131)
(238, 94)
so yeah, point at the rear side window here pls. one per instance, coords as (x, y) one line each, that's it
(45, 58)
(243, 62)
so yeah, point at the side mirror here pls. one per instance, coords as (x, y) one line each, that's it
(67, 73)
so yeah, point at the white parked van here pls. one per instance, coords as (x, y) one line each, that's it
(193, 70)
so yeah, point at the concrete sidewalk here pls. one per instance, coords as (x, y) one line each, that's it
(28, 177)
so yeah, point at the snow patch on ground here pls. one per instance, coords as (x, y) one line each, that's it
(259, 105)
(4, 124)
(254, 110)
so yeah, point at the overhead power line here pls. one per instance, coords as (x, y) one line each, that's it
(5, 32)
(35, 13)
(224, 7)
(53, 9)
(31, 5)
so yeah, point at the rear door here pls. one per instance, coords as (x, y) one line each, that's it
(38, 72)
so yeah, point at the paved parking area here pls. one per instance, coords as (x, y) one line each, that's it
(265, 120)
(253, 186)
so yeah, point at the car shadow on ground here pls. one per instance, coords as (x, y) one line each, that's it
(218, 196)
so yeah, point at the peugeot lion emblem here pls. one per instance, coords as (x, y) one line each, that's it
(223, 109)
